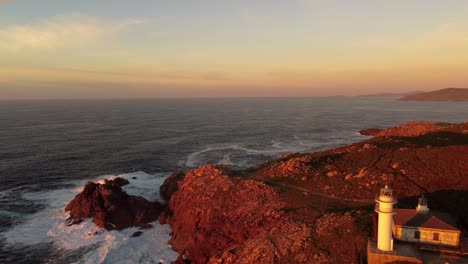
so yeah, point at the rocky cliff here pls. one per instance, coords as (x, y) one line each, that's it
(220, 217)
(316, 207)
(301, 207)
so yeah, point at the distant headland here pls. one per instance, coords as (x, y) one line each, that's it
(448, 94)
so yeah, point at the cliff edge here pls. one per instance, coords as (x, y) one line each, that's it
(316, 207)
(298, 208)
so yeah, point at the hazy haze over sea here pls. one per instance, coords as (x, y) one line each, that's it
(49, 149)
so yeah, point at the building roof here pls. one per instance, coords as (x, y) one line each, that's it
(431, 219)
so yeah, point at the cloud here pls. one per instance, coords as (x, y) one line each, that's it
(447, 36)
(34, 75)
(60, 31)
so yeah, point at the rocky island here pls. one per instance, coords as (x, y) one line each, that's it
(448, 94)
(301, 207)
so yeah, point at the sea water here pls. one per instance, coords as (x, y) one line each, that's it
(49, 149)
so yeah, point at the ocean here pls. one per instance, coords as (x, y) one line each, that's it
(49, 149)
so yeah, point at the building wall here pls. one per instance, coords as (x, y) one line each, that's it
(449, 238)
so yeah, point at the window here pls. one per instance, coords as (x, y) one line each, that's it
(435, 236)
(417, 234)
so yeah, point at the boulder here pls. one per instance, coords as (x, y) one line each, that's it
(111, 207)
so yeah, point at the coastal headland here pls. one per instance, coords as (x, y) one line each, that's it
(301, 207)
(447, 94)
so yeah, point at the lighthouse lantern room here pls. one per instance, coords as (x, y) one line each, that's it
(384, 209)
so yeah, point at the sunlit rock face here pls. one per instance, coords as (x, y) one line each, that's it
(420, 128)
(212, 211)
(302, 207)
(299, 208)
(218, 217)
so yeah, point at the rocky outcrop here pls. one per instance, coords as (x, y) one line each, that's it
(212, 211)
(299, 208)
(416, 129)
(110, 207)
(218, 217)
(420, 128)
(448, 94)
(292, 241)
(432, 160)
(296, 242)
(344, 236)
(285, 210)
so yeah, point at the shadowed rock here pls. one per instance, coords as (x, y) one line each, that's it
(110, 207)
(170, 185)
(370, 131)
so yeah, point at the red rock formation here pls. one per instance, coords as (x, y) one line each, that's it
(344, 235)
(285, 210)
(111, 207)
(291, 241)
(421, 128)
(282, 211)
(212, 211)
(432, 161)
(218, 218)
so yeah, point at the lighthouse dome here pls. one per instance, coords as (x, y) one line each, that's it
(422, 205)
(422, 200)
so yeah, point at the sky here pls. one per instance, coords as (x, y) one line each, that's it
(53, 49)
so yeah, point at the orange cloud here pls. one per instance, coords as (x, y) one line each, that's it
(165, 83)
(60, 31)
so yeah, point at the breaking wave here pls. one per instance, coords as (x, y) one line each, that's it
(92, 244)
(243, 156)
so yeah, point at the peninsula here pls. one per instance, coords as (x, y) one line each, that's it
(448, 94)
(301, 207)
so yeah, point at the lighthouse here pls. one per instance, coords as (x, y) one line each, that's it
(422, 205)
(384, 208)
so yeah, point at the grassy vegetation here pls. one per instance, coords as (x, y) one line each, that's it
(438, 139)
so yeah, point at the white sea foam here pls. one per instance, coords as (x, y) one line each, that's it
(276, 144)
(357, 134)
(277, 148)
(226, 160)
(196, 158)
(49, 225)
(141, 184)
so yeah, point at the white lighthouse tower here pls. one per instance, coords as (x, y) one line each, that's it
(384, 208)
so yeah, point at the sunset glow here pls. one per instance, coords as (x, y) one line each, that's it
(127, 49)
